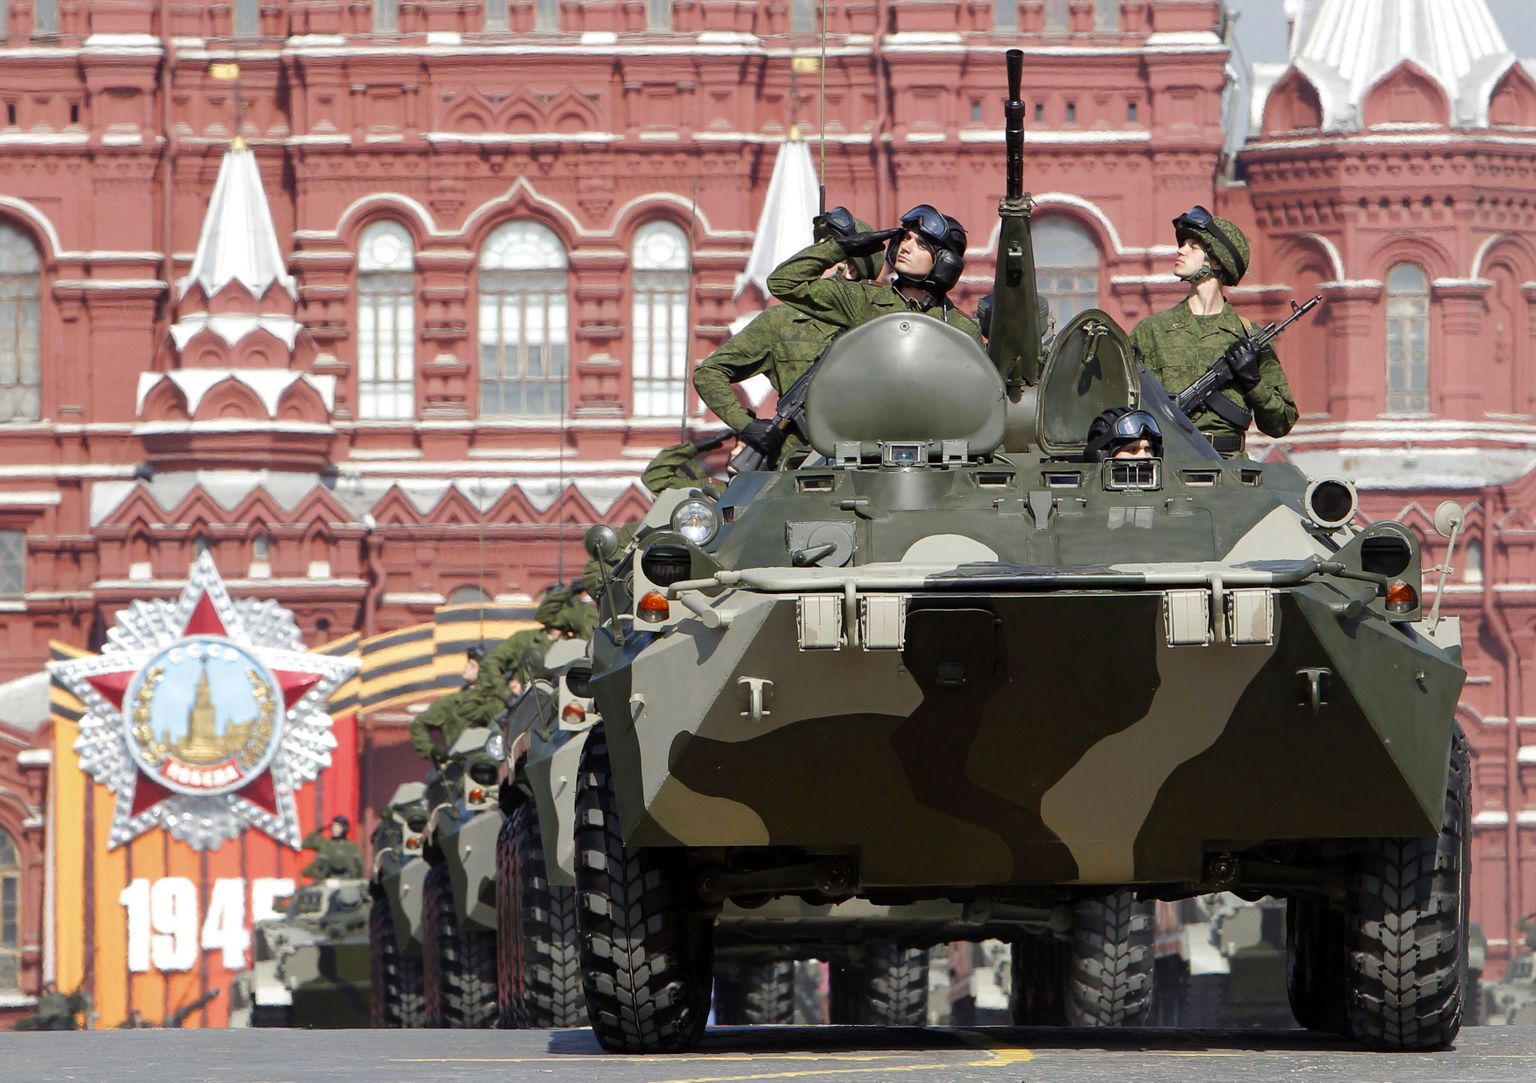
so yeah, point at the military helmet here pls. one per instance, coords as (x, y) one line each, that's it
(945, 237)
(1119, 425)
(346, 824)
(839, 222)
(1224, 244)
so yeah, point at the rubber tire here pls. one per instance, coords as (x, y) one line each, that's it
(1039, 981)
(458, 965)
(397, 999)
(645, 945)
(1406, 920)
(887, 988)
(756, 994)
(1316, 957)
(538, 973)
(1109, 967)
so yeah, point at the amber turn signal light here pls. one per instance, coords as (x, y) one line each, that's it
(477, 794)
(574, 714)
(653, 607)
(1401, 598)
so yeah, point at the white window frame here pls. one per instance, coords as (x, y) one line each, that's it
(660, 332)
(10, 932)
(1408, 339)
(21, 345)
(386, 323)
(523, 311)
(1073, 281)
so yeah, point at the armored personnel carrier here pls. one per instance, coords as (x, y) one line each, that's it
(458, 910)
(311, 965)
(394, 920)
(948, 659)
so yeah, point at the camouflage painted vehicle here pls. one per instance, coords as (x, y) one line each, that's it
(1512, 999)
(536, 966)
(311, 965)
(1220, 962)
(394, 920)
(458, 911)
(949, 660)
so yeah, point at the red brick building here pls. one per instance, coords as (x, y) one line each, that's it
(446, 302)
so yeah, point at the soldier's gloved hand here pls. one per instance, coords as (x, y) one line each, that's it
(1243, 359)
(711, 440)
(763, 435)
(867, 244)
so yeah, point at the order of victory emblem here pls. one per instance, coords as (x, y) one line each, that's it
(205, 715)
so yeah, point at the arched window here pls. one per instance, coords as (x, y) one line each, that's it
(546, 15)
(1407, 340)
(466, 595)
(20, 335)
(1106, 15)
(660, 14)
(1057, 14)
(386, 323)
(200, 545)
(660, 363)
(1066, 266)
(496, 15)
(1472, 563)
(10, 915)
(802, 16)
(386, 16)
(45, 18)
(523, 322)
(1005, 14)
(261, 557)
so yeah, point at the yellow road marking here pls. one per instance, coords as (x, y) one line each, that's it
(995, 1058)
(652, 1058)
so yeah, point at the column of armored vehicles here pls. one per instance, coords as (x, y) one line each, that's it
(946, 679)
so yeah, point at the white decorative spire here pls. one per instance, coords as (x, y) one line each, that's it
(239, 241)
(1345, 47)
(794, 197)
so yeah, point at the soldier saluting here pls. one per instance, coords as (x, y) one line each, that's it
(1180, 344)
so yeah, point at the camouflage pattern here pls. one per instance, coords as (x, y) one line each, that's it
(1178, 347)
(461, 833)
(335, 859)
(844, 304)
(675, 467)
(959, 568)
(780, 343)
(311, 964)
(58, 1011)
(473, 705)
(1511, 1001)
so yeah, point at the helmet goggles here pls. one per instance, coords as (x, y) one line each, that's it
(838, 222)
(927, 222)
(1136, 425)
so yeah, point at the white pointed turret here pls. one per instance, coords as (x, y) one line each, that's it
(1346, 47)
(239, 241)
(793, 198)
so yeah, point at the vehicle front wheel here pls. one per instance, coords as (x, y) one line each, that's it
(1109, 964)
(759, 993)
(645, 944)
(458, 964)
(538, 978)
(1406, 923)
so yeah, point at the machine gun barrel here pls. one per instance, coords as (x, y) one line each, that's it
(1013, 113)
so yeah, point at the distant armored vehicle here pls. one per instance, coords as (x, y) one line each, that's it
(1220, 962)
(394, 921)
(954, 658)
(458, 918)
(311, 965)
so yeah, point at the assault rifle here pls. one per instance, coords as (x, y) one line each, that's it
(1206, 393)
(788, 417)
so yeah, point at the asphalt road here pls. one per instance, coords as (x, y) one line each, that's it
(743, 1055)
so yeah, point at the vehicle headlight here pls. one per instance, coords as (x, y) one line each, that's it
(696, 519)
(496, 746)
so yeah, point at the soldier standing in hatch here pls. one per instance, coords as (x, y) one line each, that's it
(336, 856)
(780, 343)
(447, 714)
(1180, 344)
(927, 253)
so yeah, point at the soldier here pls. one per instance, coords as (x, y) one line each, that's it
(927, 253)
(336, 856)
(446, 716)
(1180, 344)
(56, 1010)
(780, 343)
(1123, 433)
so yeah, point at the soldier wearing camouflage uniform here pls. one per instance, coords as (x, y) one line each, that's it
(1180, 344)
(450, 715)
(927, 253)
(336, 856)
(780, 343)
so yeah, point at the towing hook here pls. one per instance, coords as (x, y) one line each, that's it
(1312, 688)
